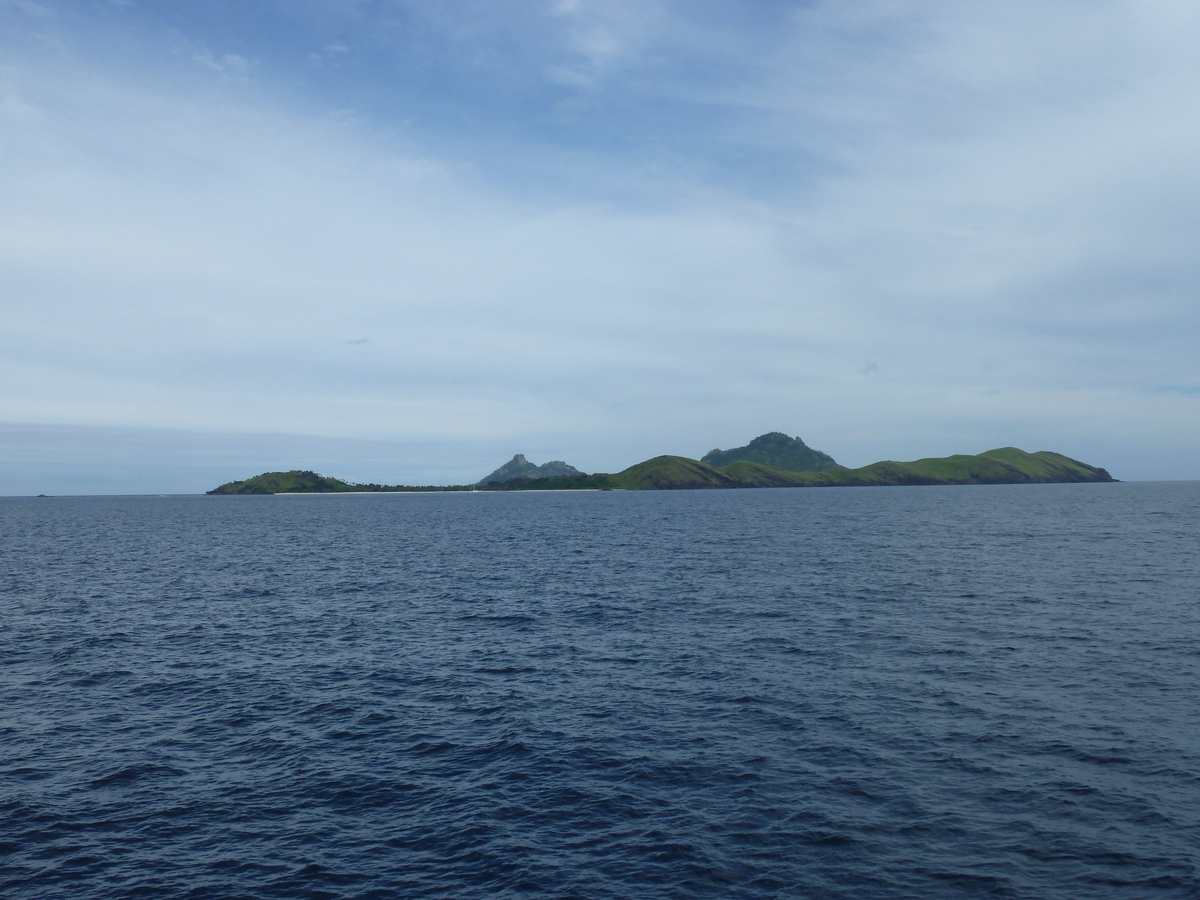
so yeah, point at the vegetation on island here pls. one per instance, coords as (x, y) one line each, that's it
(776, 450)
(1006, 465)
(740, 468)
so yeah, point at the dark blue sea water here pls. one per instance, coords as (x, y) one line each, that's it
(880, 692)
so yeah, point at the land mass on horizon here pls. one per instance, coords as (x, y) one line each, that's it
(519, 467)
(792, 464)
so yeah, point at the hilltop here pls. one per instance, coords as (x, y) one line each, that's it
(520, 467)
(777, 450)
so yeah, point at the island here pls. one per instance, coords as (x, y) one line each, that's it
(770, 460)
(303, 481)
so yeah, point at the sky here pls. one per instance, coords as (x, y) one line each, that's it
(401, 241)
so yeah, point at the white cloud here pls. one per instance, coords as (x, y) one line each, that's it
(28, 7)
(229, 63)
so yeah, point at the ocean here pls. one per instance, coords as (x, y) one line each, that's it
(919, 692)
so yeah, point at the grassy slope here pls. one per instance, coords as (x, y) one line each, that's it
(673, 473)
(752, 474)
(1053, 466)
(1007, 465)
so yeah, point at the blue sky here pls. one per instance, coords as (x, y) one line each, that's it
(402, 241)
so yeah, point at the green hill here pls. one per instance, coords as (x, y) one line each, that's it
(1006, 465)
(664, 473)
(296, 481)
(776, 450)
(302, 481)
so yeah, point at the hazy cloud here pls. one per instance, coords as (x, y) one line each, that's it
(230, 63)
(602, 231)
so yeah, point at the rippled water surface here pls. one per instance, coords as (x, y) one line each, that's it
(912, 692)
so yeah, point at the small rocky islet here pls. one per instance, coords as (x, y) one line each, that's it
(770, 460)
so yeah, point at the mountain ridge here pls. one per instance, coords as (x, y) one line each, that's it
(1005, 465)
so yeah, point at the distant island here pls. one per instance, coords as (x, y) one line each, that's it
(302, 481)
(770, 460)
